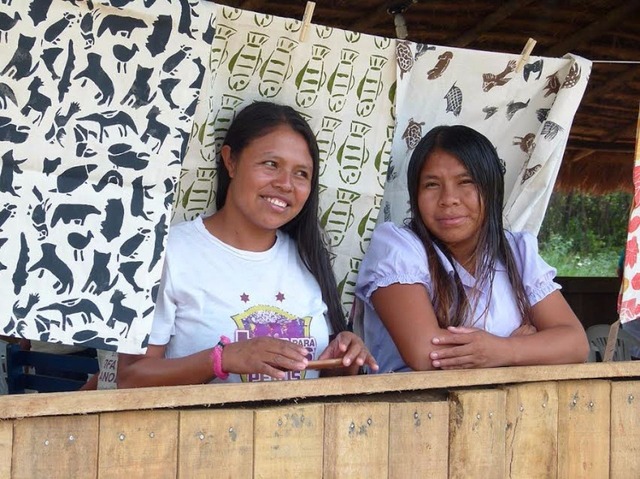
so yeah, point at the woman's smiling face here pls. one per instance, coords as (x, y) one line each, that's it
(450, 204)
(270, 179)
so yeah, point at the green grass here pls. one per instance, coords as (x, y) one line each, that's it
(558, 253)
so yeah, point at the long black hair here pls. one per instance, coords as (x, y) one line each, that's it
(255, 121)
(480, 159)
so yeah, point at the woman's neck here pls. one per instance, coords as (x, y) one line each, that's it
(467, 260)
(240, 236)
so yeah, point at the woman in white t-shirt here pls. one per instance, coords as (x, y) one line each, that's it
(248, 293)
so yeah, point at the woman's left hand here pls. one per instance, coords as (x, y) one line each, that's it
(469, 348)
(353, 352)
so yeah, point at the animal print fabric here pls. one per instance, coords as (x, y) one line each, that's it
(97, 101)
(526, 114)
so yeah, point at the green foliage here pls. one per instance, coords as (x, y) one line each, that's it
(583, 235)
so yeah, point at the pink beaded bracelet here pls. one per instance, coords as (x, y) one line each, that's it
(216, 358)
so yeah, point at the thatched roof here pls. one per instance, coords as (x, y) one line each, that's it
(600, 152)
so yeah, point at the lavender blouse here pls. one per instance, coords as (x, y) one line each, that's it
(396, 255)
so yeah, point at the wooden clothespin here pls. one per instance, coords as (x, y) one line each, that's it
(306, 20)
(524, 56)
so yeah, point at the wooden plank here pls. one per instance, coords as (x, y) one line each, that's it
(625, 429)
(419, 439)
(288, 442)
(55, 447)
(356, 440)
(532, 431)
(595, 29)
(500, 14)
(51, 404)
(584, 414)
(138, 444)
(6, 446)
(477, 434)
(216, 440)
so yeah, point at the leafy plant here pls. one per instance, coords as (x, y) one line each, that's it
(583, 235)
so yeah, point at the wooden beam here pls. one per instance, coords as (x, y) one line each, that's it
(372, 19)
(83, 402)
(610, 86)
(594, 30)
(600, 146)
(253, 5)
(488, 22)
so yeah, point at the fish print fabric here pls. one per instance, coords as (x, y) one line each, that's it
(342, 84)
(96, 108)
(112, 115)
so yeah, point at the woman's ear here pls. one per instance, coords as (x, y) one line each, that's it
(229, 164)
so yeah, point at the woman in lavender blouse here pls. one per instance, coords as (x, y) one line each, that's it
(453, 289)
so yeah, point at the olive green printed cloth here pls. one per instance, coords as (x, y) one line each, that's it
(341, 82)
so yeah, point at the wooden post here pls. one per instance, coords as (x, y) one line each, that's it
(584, 414)
(216, 440)
(138, 443)
(356, 440)
(288, 442)
(625, 429)
(56, 447)
(419, 439)
(477, 434)
(532, 431)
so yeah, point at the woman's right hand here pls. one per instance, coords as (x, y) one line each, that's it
(264, 355)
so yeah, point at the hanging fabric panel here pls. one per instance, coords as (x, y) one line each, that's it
(526, 115)
(629, 300)
(340, 82)
(96, 111)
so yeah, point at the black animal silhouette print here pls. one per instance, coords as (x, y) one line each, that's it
(121, 313)
(10, 167)
(58, 268)
(11, 132)
(82, 307)
(57, 131)
(99, 279)
(140, 92)
(120, 25)
(21, 63)
(37, 101)
(111, 118)
(99, 77)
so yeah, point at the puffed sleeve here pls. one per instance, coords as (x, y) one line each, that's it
(395, 255)
(537, 275)
(164, 317)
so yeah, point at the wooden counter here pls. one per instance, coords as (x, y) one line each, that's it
(544, 421)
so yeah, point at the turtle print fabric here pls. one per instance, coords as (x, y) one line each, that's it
(527, 116)
(96, 109)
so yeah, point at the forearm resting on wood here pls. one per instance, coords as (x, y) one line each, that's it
(145, 371)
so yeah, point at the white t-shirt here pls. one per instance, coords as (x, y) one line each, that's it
(209, 289)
